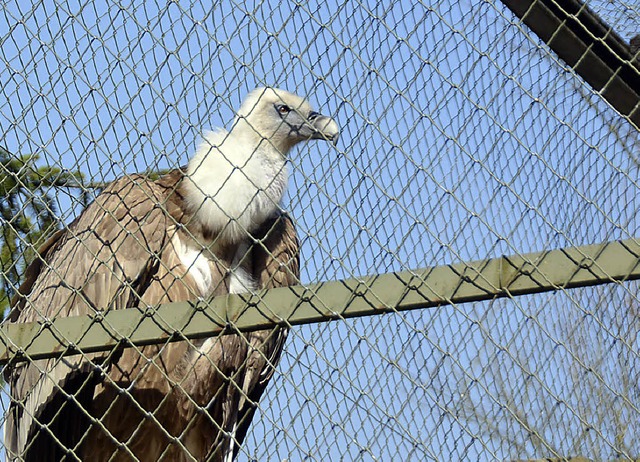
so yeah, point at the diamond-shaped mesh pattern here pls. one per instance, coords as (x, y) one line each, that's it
(462, 137)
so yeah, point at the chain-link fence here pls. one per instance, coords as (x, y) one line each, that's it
(463, 137)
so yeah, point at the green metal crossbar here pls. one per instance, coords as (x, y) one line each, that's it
(407, 290)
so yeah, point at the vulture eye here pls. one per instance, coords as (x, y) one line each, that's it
(283, 109)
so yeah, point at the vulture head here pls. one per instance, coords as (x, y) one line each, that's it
(282, 119)
(238, 176)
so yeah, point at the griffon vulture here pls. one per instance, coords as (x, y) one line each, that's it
(211, 228)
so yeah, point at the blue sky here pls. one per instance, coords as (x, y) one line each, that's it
(463, 138)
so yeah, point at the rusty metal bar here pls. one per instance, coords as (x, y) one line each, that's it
(589, 46)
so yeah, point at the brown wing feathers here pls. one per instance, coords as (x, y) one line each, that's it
(118, 254)
(81, 269)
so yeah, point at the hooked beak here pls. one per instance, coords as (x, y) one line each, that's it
(323, 127)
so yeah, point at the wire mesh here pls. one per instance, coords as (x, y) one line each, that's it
(463, 137)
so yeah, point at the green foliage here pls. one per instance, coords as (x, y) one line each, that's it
(28, 214)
